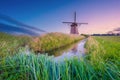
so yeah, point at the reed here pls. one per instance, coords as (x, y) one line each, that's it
(10, 44)
(43, 67)
(100, 63)
(53, 41)
(104, 55)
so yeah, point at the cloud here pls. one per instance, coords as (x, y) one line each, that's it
(19, 24)
(12, 30)
(117, 29)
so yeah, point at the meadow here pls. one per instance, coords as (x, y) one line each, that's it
(52, 41)
(11, 44)
(104, 54)
(101, 62)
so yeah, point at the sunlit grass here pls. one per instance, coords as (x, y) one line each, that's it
(104, 54)
(10, 44)
(52, 41)
(101, 62)
(43, 67)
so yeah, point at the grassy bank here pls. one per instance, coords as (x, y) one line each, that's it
(105, 48)
(97, 65)
(10, 44)
(104, 55)
(53, 41)
(43, 67)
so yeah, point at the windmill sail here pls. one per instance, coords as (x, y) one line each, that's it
(75, 17)
(74, 25)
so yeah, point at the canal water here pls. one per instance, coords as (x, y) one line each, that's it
(67, 52)
(77, 50)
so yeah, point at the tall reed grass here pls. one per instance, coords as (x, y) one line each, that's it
(10, 44)
(104, 54)
(43, 67)
(100, 63)
(53, 41)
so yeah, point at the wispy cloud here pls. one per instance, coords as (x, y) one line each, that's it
(19, 24)
(117, 29)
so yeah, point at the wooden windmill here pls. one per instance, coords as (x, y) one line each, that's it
(74, 25)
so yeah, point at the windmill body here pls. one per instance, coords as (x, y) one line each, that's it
(74, 25)
(74, 28)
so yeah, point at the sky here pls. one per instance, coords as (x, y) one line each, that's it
(101, 15)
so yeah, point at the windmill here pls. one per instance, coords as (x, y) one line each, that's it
(74, 25)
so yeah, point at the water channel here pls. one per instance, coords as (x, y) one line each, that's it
(67, 52)
(76, 49)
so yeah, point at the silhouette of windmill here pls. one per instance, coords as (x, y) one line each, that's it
(74, 25)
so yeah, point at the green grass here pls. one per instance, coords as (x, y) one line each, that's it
(101, 62)
(43, 67)
(53, 41)
(10, 44)
(104, 54)
(108, 47)
(111, 46)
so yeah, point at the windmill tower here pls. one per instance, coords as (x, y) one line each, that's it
(74, 25)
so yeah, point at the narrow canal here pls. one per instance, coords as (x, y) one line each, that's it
(77, 50)
(67, 52)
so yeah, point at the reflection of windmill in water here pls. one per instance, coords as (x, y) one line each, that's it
(74, 25)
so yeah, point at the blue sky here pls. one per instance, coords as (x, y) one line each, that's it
(102, 15)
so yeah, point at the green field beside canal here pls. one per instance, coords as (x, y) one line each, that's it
(11, 44)
(101, 61)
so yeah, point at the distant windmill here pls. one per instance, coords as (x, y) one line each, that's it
(74, 25)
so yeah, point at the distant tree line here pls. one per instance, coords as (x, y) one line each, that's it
(118, 34)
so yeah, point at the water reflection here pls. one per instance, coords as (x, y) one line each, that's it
(74, 49)
(65, 49)
(77, 50)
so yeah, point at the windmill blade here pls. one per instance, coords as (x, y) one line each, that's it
(68, 22)
(82, 23)
(74, 17)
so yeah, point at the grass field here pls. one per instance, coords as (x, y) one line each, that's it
(10, 44)
(107, 48)
(101, 62)
(104, 54)
(53, 41)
